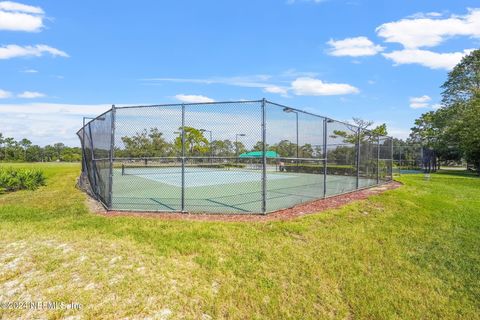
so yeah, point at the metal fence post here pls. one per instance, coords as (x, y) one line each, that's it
(325, 132)
(358, 157)
(391, 157)
(264, 159)
(112, 155)
(183, 159)
(84, 166)
(378, 159)
(94, 164)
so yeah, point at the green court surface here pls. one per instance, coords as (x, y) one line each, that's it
(225, 191)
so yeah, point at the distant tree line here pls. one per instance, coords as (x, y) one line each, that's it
(23, 150)
(151, 143)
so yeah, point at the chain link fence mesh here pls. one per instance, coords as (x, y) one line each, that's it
(228, 157)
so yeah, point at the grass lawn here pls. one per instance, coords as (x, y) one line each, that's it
(409, 253)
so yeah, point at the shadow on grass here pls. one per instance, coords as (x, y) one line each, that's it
(459, 173)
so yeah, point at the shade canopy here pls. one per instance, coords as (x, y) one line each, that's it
(259, 154)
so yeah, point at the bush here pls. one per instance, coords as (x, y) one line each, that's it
(318, 169)
(13, 179)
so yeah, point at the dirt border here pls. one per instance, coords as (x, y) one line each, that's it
(284, 214)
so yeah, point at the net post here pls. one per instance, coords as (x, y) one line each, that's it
(183, 159)
(264, 159)
(325, 132)
(112, 155)
(358, 157)
(378, 159)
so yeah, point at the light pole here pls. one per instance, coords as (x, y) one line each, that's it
(211, 146)
(236, 144)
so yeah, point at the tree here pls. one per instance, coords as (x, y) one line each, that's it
(195, 143)
(223, 148)
(2, 140)
(453, 130)
(25, 143)
(306, 151)
(146, 144)
(285, 148)
(259, 146)
(360, 129)
(463, 82)
(34, 154)
(24, 150)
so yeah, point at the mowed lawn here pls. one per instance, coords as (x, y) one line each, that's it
(409, 253)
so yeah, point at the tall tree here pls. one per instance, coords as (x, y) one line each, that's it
(195, 143)
(25, 143)
(463, 83)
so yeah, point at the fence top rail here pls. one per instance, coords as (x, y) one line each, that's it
(206, 157)
(327, 118)
(235, 102)
(94, 119)
(189, 104)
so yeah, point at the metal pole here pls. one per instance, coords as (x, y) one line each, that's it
(399, 162)
(296, 125)
(83, 147)
(112, 155)
(325, 157)
(378, 159)
(183, 158)
(264, 159)
(211, 147)
(236, 148)
(358, 157)
(94, 165)
(391, 157)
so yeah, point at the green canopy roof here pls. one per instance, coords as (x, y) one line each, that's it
(259, 154)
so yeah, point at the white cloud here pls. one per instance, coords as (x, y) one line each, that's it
(191, 98)
(46, 123)
(14, 51)
(19, 7)
(315, 87)
(29, 71)
(427, 58)
(20, 17)
(354, 47)
(420, 102)
(5, 94)
(301, 85)
(276, 89)
(429, 32)
(31, 95)
(253, 81)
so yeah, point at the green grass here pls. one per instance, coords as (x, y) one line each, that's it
(409, 253)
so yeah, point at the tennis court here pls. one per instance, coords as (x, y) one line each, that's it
(229, 190)
(226, 157)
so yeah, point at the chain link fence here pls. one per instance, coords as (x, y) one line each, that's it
(413, 158)
(227, 157)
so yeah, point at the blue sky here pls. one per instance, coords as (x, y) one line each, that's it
(377, 60)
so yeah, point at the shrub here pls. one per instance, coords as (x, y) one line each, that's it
(318, 169)
(13, 179)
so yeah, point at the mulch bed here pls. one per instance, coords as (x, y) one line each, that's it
(285, 214)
